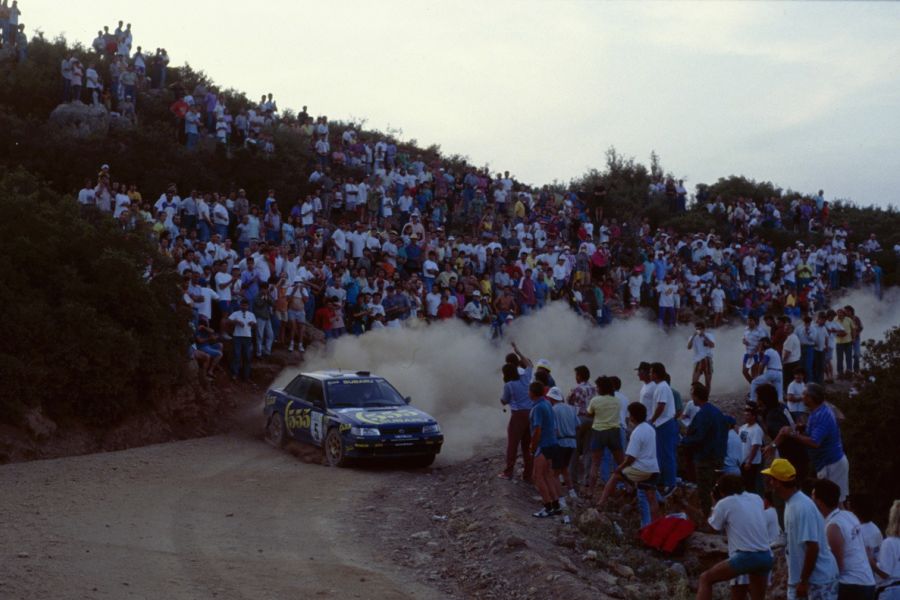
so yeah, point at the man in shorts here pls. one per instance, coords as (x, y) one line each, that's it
(297, 296)
(640, 466)
(702, 344)
(546, 451)
(566, 434)
(741, 515)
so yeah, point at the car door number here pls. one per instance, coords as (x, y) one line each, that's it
(315, 428)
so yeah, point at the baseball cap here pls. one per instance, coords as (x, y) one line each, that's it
(781, 469)
(476, 294)
(555, 394)
(543, 364)
(644, 366)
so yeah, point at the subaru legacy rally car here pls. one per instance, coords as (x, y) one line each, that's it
(350, 415)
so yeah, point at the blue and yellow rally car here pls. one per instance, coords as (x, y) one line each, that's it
(350, 415)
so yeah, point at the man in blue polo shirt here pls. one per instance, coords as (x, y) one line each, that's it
(546, 450)
(823, 440)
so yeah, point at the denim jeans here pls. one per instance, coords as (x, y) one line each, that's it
(857, 354)
(243, 351)
(265, 335)
(844, 358)
(666, 444)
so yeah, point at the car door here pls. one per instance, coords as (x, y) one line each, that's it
(315, 397)
(296, 411)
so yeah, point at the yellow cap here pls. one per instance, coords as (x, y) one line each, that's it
(781, 469)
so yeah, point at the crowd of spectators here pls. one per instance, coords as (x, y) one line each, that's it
(12, 33)
(778, 480)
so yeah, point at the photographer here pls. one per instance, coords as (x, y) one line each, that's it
(741, 516)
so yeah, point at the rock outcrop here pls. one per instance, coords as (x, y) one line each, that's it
(79, 120)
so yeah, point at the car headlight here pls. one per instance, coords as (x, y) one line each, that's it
(365, 431)
(431, 429)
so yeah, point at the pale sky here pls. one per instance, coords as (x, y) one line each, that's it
(803, 94)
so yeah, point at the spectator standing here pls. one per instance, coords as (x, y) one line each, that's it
(791, 355)
(663, 420)
(844, 535)
(244, 322)
(706, 440)
(580, 397)
(812, 569)
(702, 343)
(751, 435)
(515, 396)
(546, 451)
(823, 439)
(566, 430)
(605, 432)
(263, 306)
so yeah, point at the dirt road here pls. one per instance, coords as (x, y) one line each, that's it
(221, 517)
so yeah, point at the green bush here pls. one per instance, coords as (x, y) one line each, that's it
(84, 334)
(872, 422)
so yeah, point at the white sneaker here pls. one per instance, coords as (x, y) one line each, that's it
(291, 347)
(300, 348)
(562, 503)
(573, 494)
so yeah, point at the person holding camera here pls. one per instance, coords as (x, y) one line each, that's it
(741, 515)
(702, 343)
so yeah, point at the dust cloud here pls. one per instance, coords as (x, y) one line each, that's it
(452, 370)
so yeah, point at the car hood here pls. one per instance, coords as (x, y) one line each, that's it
(383, 416)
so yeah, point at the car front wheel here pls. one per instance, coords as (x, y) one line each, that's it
(275, 431)
(334, 449)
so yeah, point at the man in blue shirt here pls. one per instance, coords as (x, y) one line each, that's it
(546, 450)
(812, 568)
(707, 438)
(515, 396)
(823, 440)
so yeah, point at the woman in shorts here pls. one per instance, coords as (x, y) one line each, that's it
(606, 434)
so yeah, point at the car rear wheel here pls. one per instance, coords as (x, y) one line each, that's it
(334, 449)
(276, 434)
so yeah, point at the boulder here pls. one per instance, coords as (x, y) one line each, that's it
(707, 548)
(81, 121)
(39, 427)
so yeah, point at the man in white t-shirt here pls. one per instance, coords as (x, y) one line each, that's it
(772, 371)
(751, 435)
(794, 397)
(244, 322)
(702, 344)
(663, 420)
(741, 515)
(640, 466)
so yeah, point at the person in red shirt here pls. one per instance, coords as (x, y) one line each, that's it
(446, 309)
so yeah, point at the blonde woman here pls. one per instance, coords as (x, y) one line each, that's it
(889, 557)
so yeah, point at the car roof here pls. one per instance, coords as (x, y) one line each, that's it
(325, 375)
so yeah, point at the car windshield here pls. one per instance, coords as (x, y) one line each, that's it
(362, 393)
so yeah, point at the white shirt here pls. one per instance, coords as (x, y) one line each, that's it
(791, 349)
(223, 287)
(743, 519)
(243, 320)
(642, 446)
(204, 306)
(700, 348)
(663, 395)
(751, 435)
(86, 197)
(856, 569)
(889, 562)
(646, 397)
(220, 214)
(774, 363)
(795, 389)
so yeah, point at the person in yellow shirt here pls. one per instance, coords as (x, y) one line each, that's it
(844, 344)
(605, 430)
(519, 209)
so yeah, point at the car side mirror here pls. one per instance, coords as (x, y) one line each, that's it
(408, 399)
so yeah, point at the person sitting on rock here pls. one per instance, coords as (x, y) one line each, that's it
(640, 466)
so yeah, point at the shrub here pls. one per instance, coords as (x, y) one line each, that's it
(84, 334)
(872, 422)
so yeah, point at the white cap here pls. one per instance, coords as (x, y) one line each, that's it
(543, 364)
(555, 394)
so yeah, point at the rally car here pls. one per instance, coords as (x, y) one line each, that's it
(351, 416)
